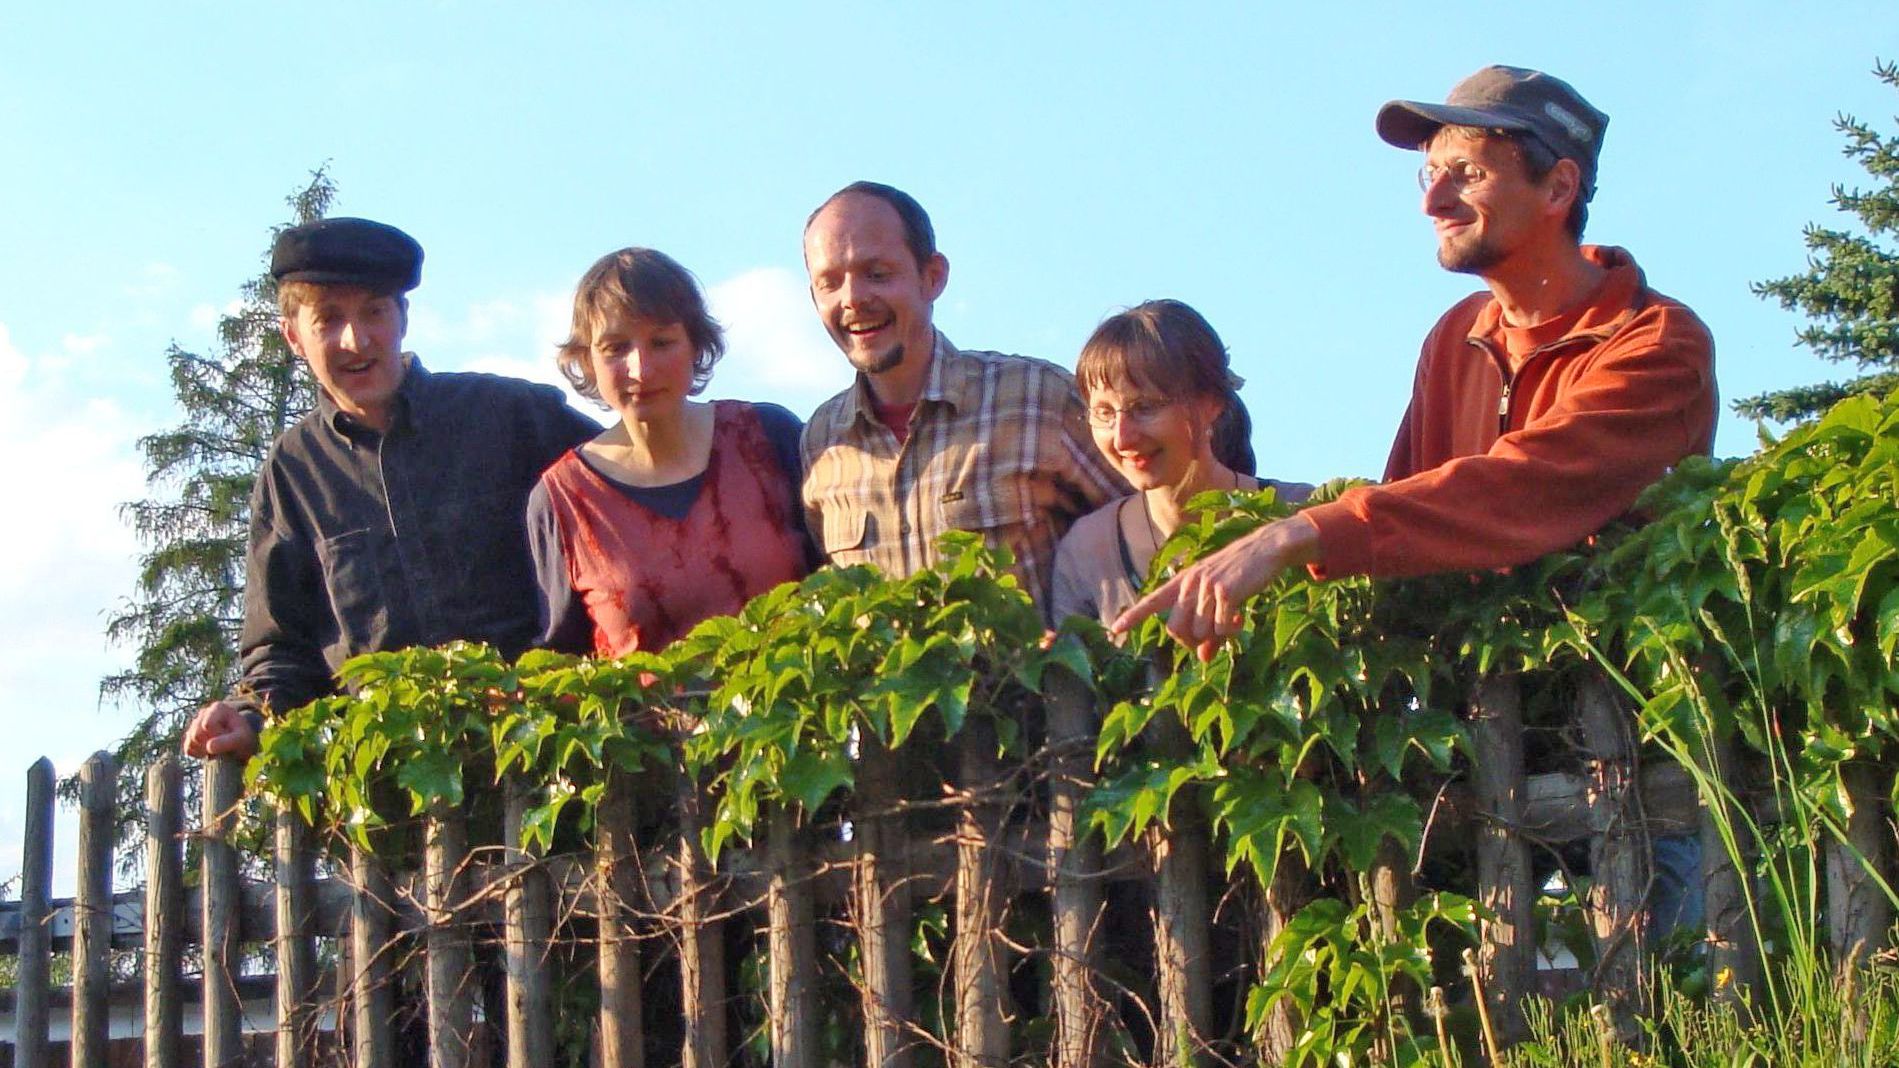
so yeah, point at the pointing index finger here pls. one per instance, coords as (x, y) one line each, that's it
(1161, 600)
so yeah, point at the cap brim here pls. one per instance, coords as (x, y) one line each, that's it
(381, 283)
(1409, 124)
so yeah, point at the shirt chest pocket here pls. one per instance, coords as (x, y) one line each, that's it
(993, 512)
(998, 498)
(966, 509)
(353, 578)
(846, 534)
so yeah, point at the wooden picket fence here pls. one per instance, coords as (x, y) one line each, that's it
(331, 948)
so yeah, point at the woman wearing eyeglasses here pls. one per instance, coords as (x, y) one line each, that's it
(1166, 413)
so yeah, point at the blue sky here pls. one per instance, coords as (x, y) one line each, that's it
(1077, 158)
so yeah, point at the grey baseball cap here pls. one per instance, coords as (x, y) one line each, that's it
(1506, 98)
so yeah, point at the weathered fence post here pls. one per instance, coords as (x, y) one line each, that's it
(982, 1037)
(295, 943)
(345, 1002)
(1290, 891)
(701, 945)
(1729, 844)
(33, 989)
(450, 975)
(1619, 855)
(92, 909)
(1858, 912)
(1727, 853)
(1507, 963)
(1180, 939)
(880, 899)
(1392, 891)
(223, 1012)
(792, 944)
(1389, 884)
(164, 914)
(527, 930)
(372, 994)
(616, 852)
(1074, 865)
(1182, 965)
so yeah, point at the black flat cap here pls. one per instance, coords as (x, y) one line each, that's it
(345, 251)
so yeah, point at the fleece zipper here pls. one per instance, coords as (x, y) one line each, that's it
(1507, 378)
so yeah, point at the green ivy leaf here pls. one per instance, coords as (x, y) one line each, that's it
(431, 776)
(810, 777)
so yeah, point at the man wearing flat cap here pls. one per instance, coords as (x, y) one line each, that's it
(1541, 406)
(392, 514)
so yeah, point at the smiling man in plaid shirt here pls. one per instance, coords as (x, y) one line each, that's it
(931, 438)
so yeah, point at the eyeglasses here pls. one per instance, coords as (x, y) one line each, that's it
(1460, 173)
(1140, 413)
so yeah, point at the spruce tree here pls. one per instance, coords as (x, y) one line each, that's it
(183, 616)
(1850, 289)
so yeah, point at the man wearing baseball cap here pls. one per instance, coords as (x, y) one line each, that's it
(392, 514)
(1542, 406)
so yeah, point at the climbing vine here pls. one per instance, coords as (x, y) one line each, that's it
(1325, 733)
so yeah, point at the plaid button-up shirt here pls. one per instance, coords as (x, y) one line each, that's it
(998, 445)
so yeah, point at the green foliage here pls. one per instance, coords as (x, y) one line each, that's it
(417, 725)
(805, 670)
(1850, 289)
(1335, 962)
(182, 619)
(801, 673)
(1781, 568)
(1843, 1025)
(1287, 746)
(1321, 727)
(1304, 728)
(1323, 732)
(1760, 607)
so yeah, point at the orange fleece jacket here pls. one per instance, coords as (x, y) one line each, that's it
(1495, 467)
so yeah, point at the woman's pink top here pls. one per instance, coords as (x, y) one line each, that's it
(646, 578)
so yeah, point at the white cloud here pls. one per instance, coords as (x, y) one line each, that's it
(75, 463)
(204, 318)
(527, 332)
(72, 347)
(524, 326)
(69, 561)
(496, 363)
(776, 350)
(154, 280)
(483, 325)
(83, 344)
(504, 336)
(553, 319)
